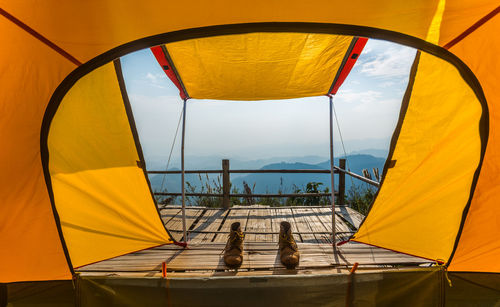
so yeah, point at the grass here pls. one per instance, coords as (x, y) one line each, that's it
(358, 197)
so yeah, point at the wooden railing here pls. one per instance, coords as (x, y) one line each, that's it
(226, 182)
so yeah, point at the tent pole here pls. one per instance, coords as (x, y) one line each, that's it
(332, 163)
(182, 173)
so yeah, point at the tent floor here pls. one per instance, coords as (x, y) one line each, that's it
(208, 233)
(413, 287)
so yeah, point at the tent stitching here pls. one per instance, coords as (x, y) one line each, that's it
(472, 28)
(40, 37)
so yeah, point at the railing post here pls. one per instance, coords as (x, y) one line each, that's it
(342, 183)
(226, 184)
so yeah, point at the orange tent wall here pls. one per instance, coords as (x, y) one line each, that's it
(85, 30)
(30, 72)
(479, 247)
(30, 247)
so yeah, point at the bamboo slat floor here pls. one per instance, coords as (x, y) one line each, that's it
(203, 257)
(209, 228)
(261, 223)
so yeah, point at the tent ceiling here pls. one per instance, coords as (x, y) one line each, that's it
(258, 66)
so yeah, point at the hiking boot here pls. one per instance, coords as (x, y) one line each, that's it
(233, 252)
(289, 252)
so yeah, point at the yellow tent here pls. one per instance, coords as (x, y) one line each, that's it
(72, 180)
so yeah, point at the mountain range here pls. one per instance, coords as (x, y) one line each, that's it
(270, 182)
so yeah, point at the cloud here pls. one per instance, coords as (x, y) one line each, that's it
(144, 99)
(367, 50)
(151, 77)
(393, 62)
(378, 107)
(155, 80)
(365, 97)
(387, 84)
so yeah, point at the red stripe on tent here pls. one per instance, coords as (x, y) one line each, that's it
(348, 64)
(472, 28)
(168, 68)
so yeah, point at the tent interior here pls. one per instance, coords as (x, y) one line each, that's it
(101, 194)
(106, 225)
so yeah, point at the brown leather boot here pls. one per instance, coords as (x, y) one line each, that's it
(289, 252)
(233, 252)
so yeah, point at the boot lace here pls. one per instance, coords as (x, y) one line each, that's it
(289, 240)
(232, 238)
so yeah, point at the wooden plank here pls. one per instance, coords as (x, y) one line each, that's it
(284, 214)
(303, 228)
(268, 225)
(356, 217)
(203, 223)
(263, 219)
(259, 220)
(342, 229)
(261, 258)
(350, 215)
(325, 214)
(198, 259)
(322, 232)
(324, 219)
(256, 256)
(302, 215)
(175, 224)
(204, 257)
(212, 222)
(167, 214)
(233, 216)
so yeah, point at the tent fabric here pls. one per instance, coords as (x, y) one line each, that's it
(57, 36)
(433, 165)
(27, 224)
(357, 45)
(259, 66)
(163, 58)
(479, 248)
(100, 191)
(422, 287)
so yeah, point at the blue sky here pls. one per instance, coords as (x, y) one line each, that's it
(367, 106)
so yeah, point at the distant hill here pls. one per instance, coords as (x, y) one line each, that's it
(272, 183)
(214, 162)
(356, 163)
(380, 153)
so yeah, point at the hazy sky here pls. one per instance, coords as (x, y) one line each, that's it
(367, 106)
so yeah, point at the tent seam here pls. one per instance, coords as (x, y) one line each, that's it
(40, 37)
(342, 65)
(395, 136)
(135, 135)
(472, 28)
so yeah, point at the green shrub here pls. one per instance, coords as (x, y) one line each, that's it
(360, 197)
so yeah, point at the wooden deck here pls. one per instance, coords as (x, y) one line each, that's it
(261, 224)
(209, 228)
